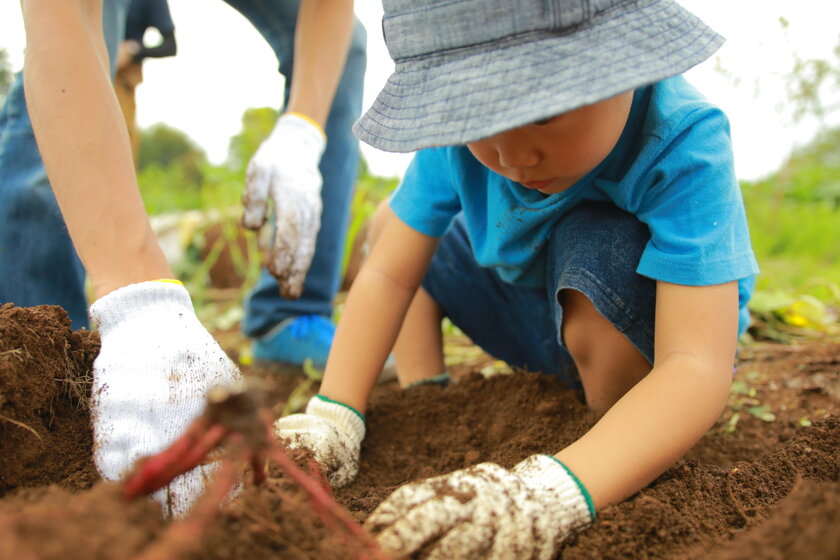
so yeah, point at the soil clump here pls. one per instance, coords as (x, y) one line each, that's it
(764, 482)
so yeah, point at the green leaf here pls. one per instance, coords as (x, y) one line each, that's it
(311, 371)
(762, 413)
(298, 398)
(729, 427)
(738, 387)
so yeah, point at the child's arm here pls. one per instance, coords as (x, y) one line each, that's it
(333, 425)
(665, 414)
(374, 311)
(529, 510)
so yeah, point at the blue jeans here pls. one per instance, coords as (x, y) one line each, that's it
(38, 264)
(264, 308)
(595, 249)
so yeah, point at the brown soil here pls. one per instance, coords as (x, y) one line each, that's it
(757, 486)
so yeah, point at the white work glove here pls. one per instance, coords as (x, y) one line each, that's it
(332, 431)
(150, 379)
(285, 169)
(485, 511)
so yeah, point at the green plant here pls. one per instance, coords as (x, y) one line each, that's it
(167, 147)
(793, 214)
(743, 398)
(5, 75)
(301, 394)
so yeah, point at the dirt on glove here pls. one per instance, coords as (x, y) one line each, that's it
(763, 483)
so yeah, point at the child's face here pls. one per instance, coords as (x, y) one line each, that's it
(551, 155)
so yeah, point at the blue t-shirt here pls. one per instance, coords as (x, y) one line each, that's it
(672, 168)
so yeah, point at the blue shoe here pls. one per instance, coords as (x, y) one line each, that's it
(296, 339)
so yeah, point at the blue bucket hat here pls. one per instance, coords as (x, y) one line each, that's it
(469, 69)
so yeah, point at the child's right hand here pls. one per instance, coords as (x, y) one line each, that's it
(333, 431)
(484, 511)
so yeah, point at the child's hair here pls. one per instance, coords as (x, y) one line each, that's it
(468, 69)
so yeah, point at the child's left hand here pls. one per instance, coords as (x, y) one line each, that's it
(485, 511)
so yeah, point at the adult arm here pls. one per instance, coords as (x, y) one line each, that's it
(285, 168)
(658, 420)
(156, 361)
(322, 41)
(84, 144)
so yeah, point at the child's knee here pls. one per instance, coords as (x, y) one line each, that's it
(608, 364)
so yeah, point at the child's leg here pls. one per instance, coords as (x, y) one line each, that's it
(512, 323)
(608, 364)
(605, 310)
(418, 351)
(419, 347)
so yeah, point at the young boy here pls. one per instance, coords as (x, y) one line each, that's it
(581, 218)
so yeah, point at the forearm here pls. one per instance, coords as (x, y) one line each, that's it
(84, 145)
(648, 429)
(322, 39)
(369, 324)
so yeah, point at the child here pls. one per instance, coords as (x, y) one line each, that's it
(581, 218)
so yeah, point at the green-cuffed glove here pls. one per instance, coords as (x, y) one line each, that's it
(333, 431)
(485, 511)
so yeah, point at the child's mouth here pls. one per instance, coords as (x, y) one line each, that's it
(537, 185)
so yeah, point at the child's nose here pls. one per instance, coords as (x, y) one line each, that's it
(516, 155)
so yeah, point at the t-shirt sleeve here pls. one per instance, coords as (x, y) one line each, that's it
(694, 209)
(426, 198)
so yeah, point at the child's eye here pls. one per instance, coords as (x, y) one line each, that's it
(543, 121)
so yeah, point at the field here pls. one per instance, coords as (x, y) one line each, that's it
(763, 483)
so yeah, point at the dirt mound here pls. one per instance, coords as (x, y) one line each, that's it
(44, 388)
(765, 482)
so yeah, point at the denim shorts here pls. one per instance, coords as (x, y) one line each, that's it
(595, 250)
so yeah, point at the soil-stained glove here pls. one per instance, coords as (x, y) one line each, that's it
(333, 431)
(485, 511)
(150, 380)
(285, 169)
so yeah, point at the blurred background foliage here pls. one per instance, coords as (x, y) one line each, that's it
(794, 217)
(5, 75)
(794, 214)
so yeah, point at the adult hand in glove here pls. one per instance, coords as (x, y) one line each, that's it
(485, 511)
(333, 431)
(150, 380)
(285, 169)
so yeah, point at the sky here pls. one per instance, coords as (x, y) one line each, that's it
(224, 66)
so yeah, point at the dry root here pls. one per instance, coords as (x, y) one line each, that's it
(234, 416)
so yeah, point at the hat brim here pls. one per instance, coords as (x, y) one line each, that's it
(453, 98)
